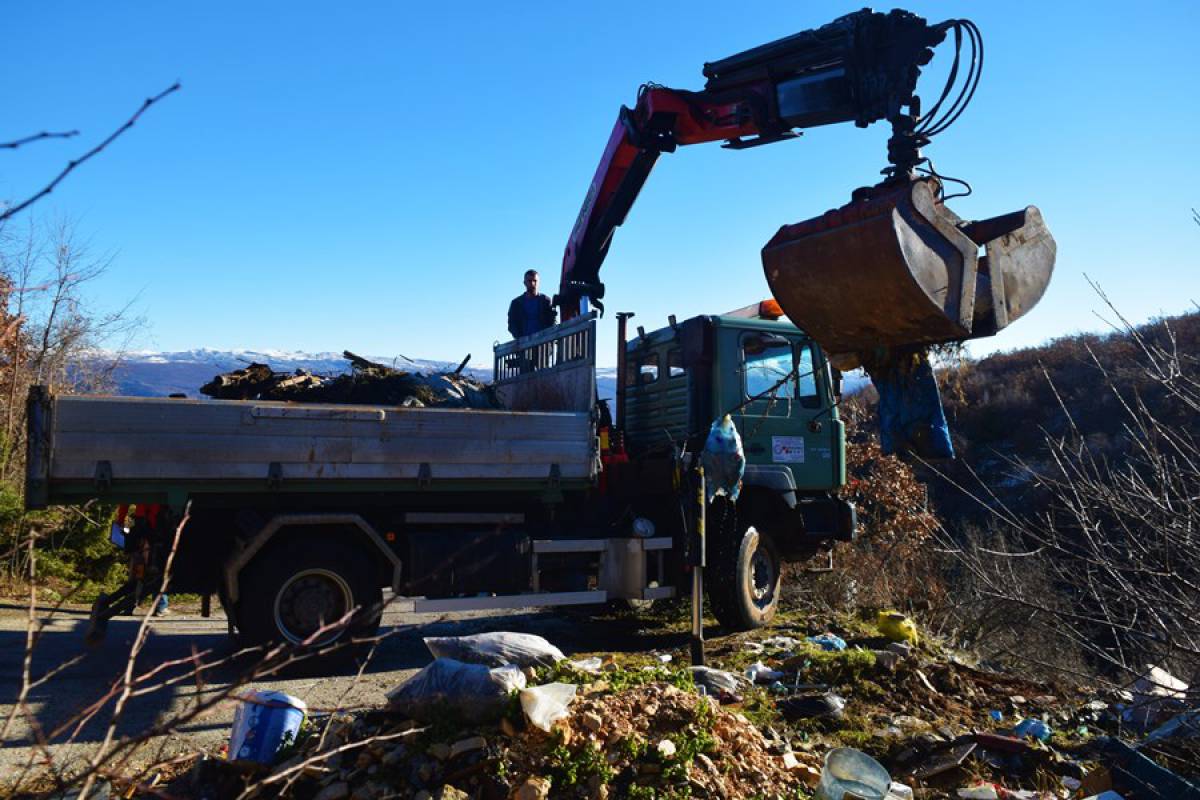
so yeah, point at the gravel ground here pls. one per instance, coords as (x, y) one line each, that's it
(175, 636)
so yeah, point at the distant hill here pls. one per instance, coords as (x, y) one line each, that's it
(1002, 408)
(159, 374)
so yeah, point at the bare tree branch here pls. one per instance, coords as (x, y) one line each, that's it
(13, 145)
(72, 165)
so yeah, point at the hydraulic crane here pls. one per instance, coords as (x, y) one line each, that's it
(894, 268)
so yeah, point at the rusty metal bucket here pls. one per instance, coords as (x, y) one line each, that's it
(901, 269)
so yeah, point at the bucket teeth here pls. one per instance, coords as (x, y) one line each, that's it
(900, 269)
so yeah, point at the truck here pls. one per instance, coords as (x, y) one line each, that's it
(298, 516)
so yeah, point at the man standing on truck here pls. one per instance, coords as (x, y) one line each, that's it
(530, 312)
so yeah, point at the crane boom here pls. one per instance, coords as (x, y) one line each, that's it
(860, 68)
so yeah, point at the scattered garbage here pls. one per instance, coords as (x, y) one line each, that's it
(945, 758)
(1034, 729)
(780, 643)
(474, 691)
(983, 791)
(1186, 724)
(262, 723)
(852, 772)
(546, 705)
(1155, 694)
(759, 672)
(718, 680)
(1136, 773)
(496, 649)
(589, 665)
(897, 627)
(886, 659)
(814, 706)
(828, 641)
(921, 718)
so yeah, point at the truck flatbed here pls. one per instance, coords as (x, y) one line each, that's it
(127, 447)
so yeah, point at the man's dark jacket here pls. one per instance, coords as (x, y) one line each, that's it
(516, 313)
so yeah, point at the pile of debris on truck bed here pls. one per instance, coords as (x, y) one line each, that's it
(368, 383)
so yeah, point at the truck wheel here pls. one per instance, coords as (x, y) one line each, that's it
(289, 593)
(742, 580)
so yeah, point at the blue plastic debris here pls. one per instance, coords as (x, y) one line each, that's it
(828, 641)
(911, 418)
(262, 723)
(1033, 728)
(997, 716)
(1134, 772)
(724, 460)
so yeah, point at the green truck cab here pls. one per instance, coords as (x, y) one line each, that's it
(779, 389)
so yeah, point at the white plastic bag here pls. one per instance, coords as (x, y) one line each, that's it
(474, 691)
(718, 680)
(546, 705)
(759, 672)
(589, 665)
(1153, 693)
(496, 649)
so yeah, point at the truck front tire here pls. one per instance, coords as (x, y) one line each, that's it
(743, 578)
(293, 589)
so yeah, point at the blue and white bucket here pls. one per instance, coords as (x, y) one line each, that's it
(263, 721)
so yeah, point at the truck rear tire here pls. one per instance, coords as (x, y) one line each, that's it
(289, 592)
(743, 578)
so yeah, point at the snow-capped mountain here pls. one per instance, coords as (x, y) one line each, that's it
(158, 374)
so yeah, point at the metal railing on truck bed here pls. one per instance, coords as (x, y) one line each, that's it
(552, 370)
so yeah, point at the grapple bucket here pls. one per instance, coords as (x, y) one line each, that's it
(901, 269)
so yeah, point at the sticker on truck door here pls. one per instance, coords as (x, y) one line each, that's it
(787, 449)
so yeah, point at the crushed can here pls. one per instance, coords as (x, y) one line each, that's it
(263, 722)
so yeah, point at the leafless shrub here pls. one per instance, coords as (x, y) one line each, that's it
(129, 761)
(1112, 568)
(890, 562)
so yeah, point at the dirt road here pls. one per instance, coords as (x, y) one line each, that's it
(173, 637)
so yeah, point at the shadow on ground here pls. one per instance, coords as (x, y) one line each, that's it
(71, 705)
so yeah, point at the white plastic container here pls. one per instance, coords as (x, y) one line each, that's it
(263, 721)
(852, 772)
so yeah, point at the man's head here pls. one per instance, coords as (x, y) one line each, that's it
(531, 282)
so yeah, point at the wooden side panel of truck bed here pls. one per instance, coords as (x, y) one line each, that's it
(124, 439)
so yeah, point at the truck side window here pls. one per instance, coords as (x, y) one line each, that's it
(675, 363)
(643, 371)
(809, 395)
(767, 361)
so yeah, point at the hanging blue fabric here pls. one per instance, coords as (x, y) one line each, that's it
(911, 417)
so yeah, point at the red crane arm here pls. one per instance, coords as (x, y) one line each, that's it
(663, 119)
(862, 67)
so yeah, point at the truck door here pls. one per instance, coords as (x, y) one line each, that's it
(786, 418)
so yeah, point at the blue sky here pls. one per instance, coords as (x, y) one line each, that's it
(376, 176)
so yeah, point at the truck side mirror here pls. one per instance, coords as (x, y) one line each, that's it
(835, 375)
